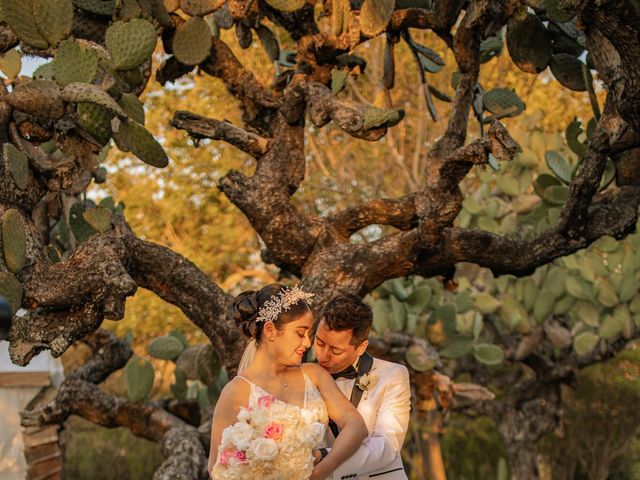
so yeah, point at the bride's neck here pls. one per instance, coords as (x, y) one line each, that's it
(265, 364)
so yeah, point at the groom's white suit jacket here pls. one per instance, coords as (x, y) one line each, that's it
(385, 408)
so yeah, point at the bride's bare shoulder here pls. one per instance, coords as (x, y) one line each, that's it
(235, 392)
(315, 371)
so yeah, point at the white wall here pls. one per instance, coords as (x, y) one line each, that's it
(14, 400)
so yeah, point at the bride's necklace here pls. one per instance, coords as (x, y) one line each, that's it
(286, 382)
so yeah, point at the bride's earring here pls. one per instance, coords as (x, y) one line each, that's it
(271, 339)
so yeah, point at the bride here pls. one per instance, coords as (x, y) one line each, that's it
(288, 403)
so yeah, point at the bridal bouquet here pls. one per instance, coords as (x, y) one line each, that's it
(273, 441)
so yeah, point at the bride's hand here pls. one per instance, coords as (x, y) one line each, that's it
(317, 474)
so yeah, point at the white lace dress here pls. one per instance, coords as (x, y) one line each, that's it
(313, 401)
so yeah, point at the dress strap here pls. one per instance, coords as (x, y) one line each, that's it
(307, 385)
(252, 391)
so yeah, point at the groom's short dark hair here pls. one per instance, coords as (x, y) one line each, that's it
(349, 312)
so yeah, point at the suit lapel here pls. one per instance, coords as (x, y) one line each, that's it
(364, 367)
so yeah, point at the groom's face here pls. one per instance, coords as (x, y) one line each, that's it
(334, 348)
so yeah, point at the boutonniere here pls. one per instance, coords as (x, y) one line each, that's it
(366, 382)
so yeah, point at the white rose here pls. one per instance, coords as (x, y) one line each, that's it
(244, 415)
(238, 435)
(264, 449)
(316, 432)
(307, 416)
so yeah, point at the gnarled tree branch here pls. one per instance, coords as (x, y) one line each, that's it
(201, 127)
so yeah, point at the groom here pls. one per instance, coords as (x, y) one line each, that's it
(380, 390)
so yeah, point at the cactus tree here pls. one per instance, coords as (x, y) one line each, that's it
(70, 263)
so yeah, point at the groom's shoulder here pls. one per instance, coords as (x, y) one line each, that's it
(390, 370)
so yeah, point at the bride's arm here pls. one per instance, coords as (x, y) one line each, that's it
(225, 414)
(353, 430)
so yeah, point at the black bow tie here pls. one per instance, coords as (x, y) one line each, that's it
(349, 373)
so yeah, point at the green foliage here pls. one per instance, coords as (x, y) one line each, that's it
(88, 448)
(166, 348)
(14, 241)
(583, 301)
(418, 359)
(139, 379)
(601, 410)
(473, 449)
(559, 166)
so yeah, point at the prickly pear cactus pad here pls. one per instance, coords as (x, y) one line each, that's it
(375, 14)
(11, 63)
(11, 289)
(14, 241)
(192, 42)
(42, 98)
(528, 42)
(104, 8)
(133, 107)
(502, 101)
(74, 63)
(200, 8)
(79, 92)
(130, 43)
(377, 117)
(96, 121)
(54, 19)
(141, 143)
(19, 14)
(568, 70)
(18, 165)
(286, 5)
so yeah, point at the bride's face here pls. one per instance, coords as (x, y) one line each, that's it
(292, 340)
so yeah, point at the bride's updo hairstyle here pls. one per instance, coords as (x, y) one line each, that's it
(246, 307)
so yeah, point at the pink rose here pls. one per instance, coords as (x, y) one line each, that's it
(240, 456)
(273, 431)
(223, 457)
(226, 455)
(266, 401)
